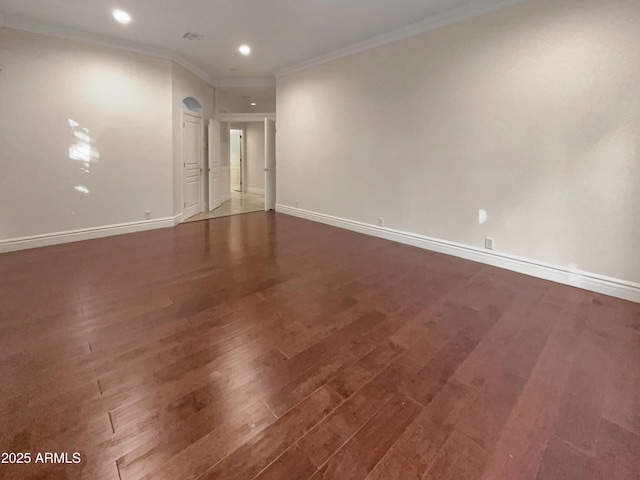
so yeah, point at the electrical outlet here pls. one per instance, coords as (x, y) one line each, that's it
(380, 222)
(147, 215)
(297, 204)
(488, 243)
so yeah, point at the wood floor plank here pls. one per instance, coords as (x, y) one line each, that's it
(365, 449)
(151, 455)
(259, 452)
(416, 449)
(330, 434)
(292, 465)
(352, 378)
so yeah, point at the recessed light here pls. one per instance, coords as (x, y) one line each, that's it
(121, 16)
(244, 49)
(253, 104)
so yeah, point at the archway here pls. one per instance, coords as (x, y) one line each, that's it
(191, 104)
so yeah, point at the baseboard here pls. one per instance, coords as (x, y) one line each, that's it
(258, 191)
(576, 278)
(23, 243)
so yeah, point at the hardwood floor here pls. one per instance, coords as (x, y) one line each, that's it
(267, 347)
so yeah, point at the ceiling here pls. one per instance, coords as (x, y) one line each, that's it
(281, 33)
(239, 100)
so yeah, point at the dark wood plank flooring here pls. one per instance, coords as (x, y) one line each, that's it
(272, 348)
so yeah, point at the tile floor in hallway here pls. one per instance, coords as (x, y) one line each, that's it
(239, 203)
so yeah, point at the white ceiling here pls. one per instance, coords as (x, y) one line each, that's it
(239, 99)
(281, 33)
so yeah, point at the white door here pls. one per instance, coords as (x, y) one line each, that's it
(215, 181)
(235, 138)
(191, 164)
(269, 164)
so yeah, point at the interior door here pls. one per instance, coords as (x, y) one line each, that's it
(269, 164)
(191, 164)
(235, 138)
(215, 180)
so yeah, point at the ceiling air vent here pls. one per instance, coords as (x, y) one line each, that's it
(192, 36)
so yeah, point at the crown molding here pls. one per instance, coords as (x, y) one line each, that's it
(28, 25)
(431, 23)
(244, 117)
(447, 18)
(245, 82)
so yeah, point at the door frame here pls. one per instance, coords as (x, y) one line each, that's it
(192, 114)
(270, 170)
(246, 118)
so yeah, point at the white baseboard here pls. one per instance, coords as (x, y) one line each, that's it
(23, 243)
(258, 191)
(576, 278)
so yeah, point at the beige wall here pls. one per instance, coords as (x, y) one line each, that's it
(109, 109)
(255, 155)
(531, 114)
(186, 84)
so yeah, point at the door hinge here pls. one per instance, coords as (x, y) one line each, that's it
(184, 165)
(185, 204)
(184, 124)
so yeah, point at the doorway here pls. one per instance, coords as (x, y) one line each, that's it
(236, 151)
(243, 161)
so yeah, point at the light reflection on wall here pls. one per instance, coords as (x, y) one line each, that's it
(482, 216)
(84, 151)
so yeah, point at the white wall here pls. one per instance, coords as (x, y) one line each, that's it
(255, 156)
(531, 113)
(122, 100)
(186, 84)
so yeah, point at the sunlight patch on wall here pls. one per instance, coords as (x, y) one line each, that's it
(82, 150)
(482, 216)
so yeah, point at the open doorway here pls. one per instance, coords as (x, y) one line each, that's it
(236, 151)
(242, 168)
